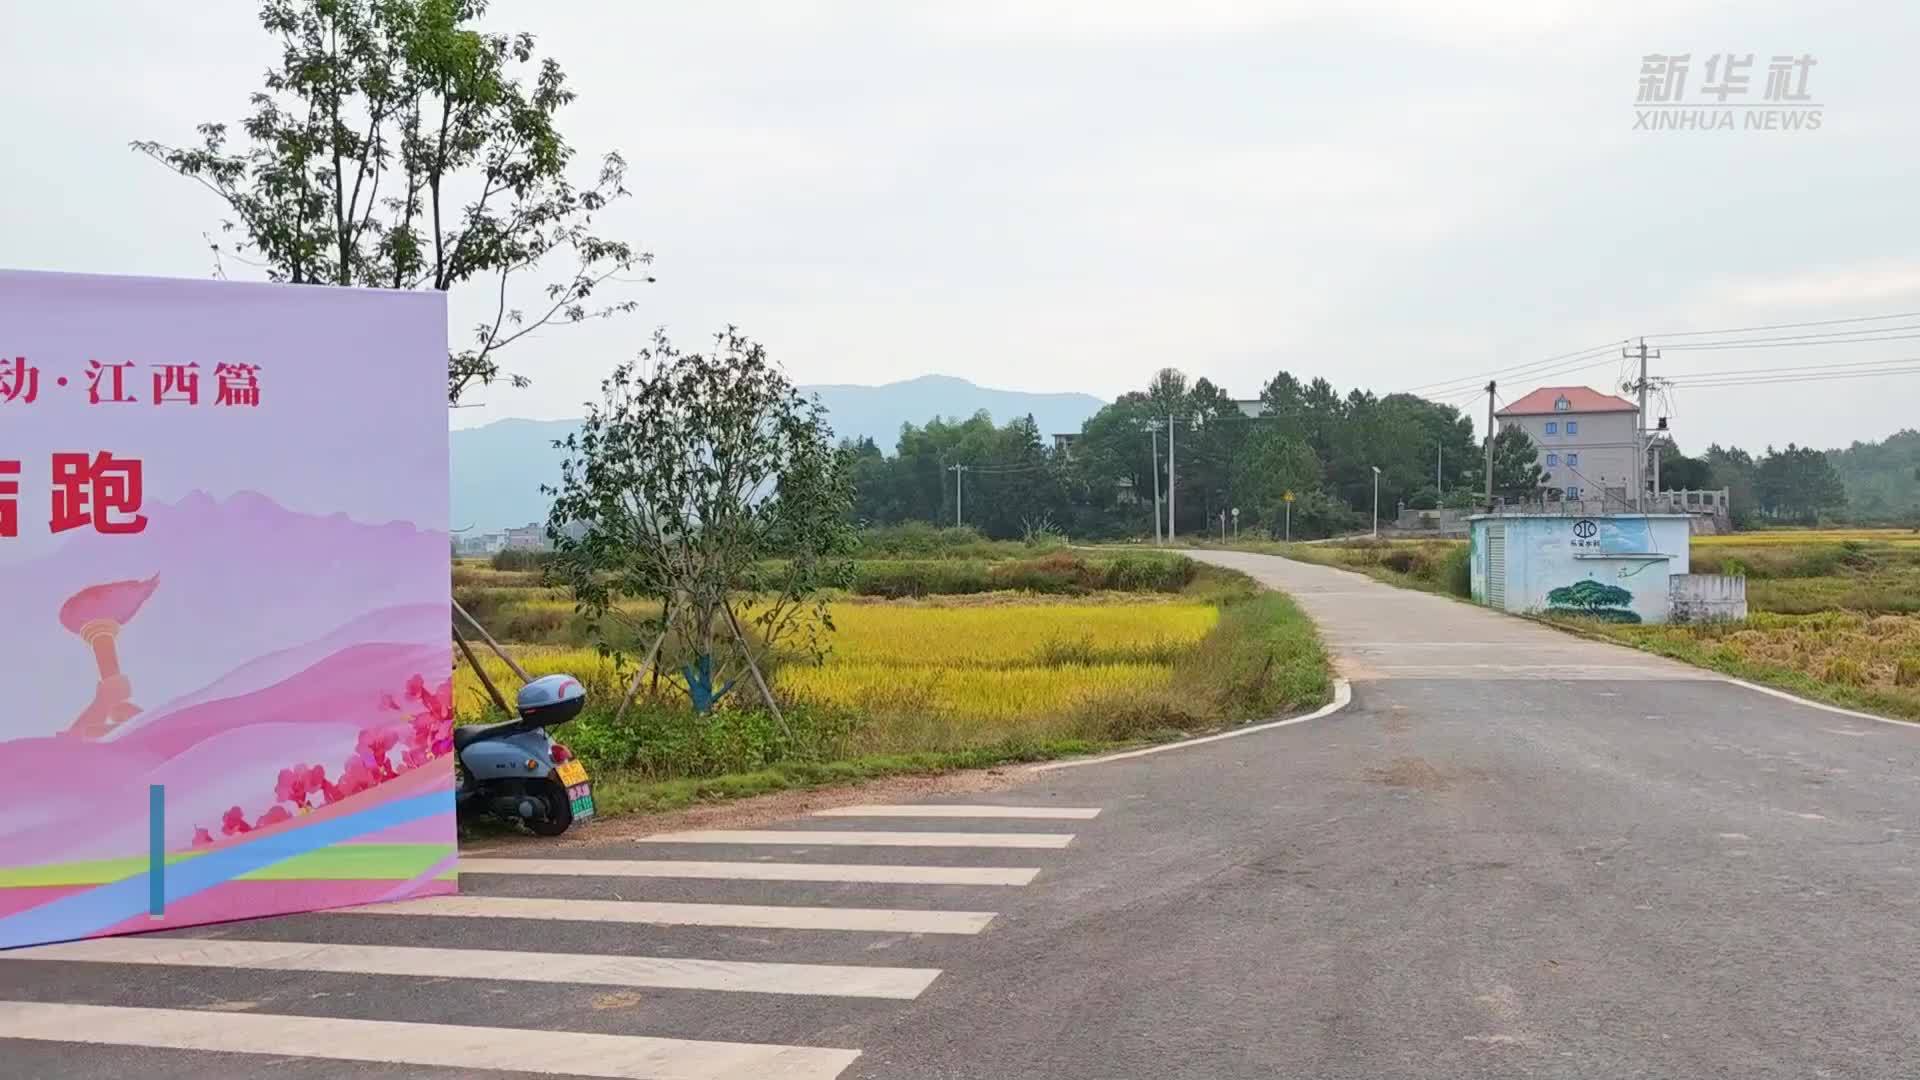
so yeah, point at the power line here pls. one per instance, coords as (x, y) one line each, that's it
(1849, 337)
(1823, 377)
(1444, 386)
(1798, 368)
(1790, 326)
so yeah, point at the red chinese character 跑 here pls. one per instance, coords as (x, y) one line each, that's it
(114, 378)
(92, 490)
(239, 384)
(9, 492)
(176, 382)
(19, 380)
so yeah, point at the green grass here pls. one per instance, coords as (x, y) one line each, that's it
(621, 791)
(1435, 566)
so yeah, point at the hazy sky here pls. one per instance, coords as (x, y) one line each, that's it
(1067, 196)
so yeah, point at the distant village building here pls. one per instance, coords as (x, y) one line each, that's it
(1585, 440)
(531, 537)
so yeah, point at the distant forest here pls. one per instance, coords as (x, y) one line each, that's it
(1316, 444)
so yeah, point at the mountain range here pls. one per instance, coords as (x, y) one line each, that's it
(498, 468)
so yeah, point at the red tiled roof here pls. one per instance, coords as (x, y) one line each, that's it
(1579, 400)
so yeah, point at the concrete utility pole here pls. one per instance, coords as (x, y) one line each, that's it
(1155, 432)
(1490, 385)
(1376, 501)
(1439, 455)
(1640, 443)
(1170, 477)
(958, 472)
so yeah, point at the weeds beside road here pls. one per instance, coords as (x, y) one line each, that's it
(1095, 653)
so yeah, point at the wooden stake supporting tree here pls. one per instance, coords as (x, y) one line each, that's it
(709, 487)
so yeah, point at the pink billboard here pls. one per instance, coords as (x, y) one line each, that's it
(224, 596)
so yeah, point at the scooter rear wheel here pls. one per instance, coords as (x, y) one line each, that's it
(559, 810)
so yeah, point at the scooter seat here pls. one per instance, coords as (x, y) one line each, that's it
(468, 734)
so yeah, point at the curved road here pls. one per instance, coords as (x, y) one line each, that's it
(1514, 854)
(1517, 853)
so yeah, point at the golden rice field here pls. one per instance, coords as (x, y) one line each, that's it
(1808, 536)
(959, 661)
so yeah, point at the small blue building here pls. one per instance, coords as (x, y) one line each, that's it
(1620, 567)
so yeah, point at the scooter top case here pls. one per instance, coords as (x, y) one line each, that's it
(548, 701)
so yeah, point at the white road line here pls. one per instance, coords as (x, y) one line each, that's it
(1820, 705)
(1342, 695)
(868, 839)
(454, 1046)
(1063, 813)
(878, 920)
(867, 873)
(831, 980)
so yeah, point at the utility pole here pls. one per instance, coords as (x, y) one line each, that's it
(1640, 443)
(1170, 476)
(959, 472)
(1155, 432)
(1439, 455)
(1490, 385)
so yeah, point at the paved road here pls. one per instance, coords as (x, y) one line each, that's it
(1516, 854)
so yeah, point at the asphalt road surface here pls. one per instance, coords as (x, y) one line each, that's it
(1516, 853)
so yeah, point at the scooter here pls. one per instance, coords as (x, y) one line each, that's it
(515, 772)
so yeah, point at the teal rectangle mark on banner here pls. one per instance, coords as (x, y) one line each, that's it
(156, 851)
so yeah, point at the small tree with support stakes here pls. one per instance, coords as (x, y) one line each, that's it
(710, 490)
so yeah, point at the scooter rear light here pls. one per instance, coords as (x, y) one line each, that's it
(561, 754)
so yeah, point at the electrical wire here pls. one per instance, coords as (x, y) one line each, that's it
(1885, 333)
(1794, 368)
(1790, 326)
(1526, 370)
(1824, 377)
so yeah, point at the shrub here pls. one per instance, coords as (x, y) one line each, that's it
(1906, 672)
(516, 559)
(1845, 669)
(1456, 571)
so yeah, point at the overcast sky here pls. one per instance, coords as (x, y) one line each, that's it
(1067, 196)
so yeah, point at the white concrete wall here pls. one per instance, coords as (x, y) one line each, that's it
(1708, 597)
(1633, 553)
(1604, 445)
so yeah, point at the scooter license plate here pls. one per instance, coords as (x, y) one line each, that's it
(571, 773)
(581, 798)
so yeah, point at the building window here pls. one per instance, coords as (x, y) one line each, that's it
(1573, 427)
(1552, 460)
(1573, 493)
(1573, 461)
(1553, 427)
(1561, 404)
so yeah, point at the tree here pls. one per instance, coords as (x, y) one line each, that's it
(1679, 472)
(1594, 599)
(1516, 466)
(712, 491)
(1799, 483)
(1735, 470)
(394, 146)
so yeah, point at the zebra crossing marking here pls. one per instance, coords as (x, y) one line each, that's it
(753, 916)
(392, 1042)
(946, 810)
(864, 873)
(831, 980)
(836, 838)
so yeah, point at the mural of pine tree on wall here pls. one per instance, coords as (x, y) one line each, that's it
(1593, 599)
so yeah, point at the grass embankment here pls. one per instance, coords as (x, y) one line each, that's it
(1436, 566)
(941, 683)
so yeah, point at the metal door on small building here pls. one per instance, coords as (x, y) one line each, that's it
(1497, 566)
